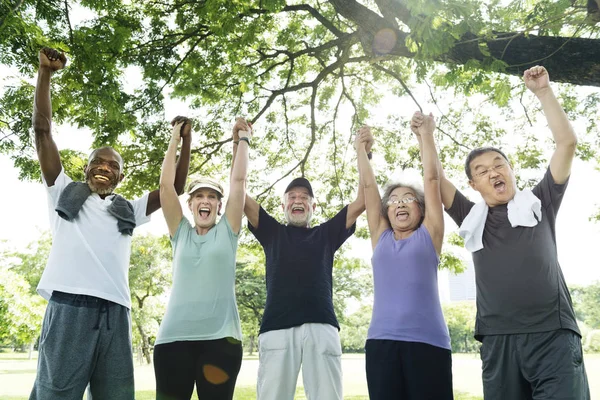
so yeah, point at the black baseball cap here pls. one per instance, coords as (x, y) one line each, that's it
(302, 182)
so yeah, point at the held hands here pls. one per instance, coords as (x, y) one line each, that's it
(365, 136)
(182, 127)
(422, 124)
(536, 79)
(241, 128)
(52, 59)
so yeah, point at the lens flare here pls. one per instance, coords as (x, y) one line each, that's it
(214, 375)
(384, 41)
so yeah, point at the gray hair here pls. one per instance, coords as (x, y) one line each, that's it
(390, 187)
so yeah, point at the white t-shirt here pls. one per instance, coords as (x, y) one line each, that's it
(89, 255)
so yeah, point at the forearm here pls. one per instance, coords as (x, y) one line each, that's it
(233, 156)
(42, 105)
(239, 169)
(429, 158)
(358, 205)
(183, 164)
(440, 169)
(559, 124)
(366, 176)
(167, 175)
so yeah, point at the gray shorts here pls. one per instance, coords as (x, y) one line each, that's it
(546, 365)
(84, 340)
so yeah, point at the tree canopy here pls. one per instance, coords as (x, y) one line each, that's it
(307, 73)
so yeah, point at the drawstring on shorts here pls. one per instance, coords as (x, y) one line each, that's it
(104, 308)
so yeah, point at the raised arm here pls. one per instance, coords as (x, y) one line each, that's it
(169, 198)
(237, 182)
(50, 62)
(183, 163)
(371, 198)
(423, 126)
(447, 188)
(364, 140)
(537, 80)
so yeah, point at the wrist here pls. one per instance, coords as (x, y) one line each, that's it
(543, 93)
(244, 139)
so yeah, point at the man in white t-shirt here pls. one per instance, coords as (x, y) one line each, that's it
(86, 333)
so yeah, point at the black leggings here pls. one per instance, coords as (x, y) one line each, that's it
(399, 370)
(213, 365)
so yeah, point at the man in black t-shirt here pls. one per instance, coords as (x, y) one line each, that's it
(531, 345)
(299, 326)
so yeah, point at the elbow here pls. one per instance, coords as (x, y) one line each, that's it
(42, 132)
(568, 145)
(432, 176)
(41, 125)
(164, 186)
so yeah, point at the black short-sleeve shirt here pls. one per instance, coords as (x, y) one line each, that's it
(520, 285)
(299, 270)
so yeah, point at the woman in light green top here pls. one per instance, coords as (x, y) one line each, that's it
(199, 339)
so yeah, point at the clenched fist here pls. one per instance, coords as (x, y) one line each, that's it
(52, 59)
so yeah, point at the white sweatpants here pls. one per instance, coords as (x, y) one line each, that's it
(281, 353)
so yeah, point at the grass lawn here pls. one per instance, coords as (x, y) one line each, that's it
(17, 374)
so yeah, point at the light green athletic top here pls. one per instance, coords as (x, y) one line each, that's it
(202, 303)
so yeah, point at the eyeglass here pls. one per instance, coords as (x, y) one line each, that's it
(485, 172)
(405, 200)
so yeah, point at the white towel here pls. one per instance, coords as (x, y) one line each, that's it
(522, 211)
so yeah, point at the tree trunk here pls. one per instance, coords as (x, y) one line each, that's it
(145, 343)
(31, 344)
(251, 349)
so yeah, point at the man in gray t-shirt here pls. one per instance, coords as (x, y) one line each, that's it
(531, 345)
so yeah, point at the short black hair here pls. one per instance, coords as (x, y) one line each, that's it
(476, 153)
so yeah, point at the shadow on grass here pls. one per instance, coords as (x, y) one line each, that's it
(17, 372)
(249, 393)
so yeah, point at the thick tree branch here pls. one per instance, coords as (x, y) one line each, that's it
(578, 64)
(318, 16)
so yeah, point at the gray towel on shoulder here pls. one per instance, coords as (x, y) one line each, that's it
(76, 193)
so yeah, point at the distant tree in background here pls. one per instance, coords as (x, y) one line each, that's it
(149, 280)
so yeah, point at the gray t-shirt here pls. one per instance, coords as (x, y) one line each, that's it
(520, 285)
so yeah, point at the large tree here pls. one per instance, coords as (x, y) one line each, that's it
(307, 73)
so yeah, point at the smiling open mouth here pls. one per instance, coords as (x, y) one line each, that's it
(402, 215)
(101, 178)
(297, 210)
(499, 186)
(204, 212)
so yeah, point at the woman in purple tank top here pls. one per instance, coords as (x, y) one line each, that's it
(408, 353)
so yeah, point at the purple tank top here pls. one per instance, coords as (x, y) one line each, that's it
(407, 303)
